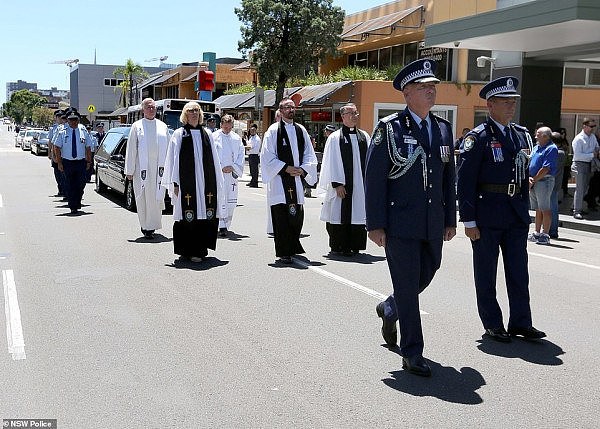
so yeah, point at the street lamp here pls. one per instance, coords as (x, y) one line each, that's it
(481, 63)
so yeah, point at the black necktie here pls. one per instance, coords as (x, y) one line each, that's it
(425, 132)
(509, 137)
(73, 145)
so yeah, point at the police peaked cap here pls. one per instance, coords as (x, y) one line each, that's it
(422, 70)
(505, 86)
(330, 127)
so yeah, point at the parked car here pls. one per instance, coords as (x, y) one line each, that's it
(28, 138)
(109, 166)
(19, 137)
(39, 144)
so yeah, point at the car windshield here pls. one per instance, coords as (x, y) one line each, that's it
(31, 133)
(43, 135)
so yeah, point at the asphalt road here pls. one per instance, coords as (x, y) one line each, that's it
(116, 336)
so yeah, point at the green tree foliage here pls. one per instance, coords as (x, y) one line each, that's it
(132, 74)
(285, 36)
(42, 116)
(21, 104)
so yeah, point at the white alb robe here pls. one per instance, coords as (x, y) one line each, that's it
(332, 170)
(146, 152)
(171, 175)
(271, 165)
(231, 153)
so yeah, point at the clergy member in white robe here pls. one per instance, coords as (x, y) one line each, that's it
(342, 186)
(287, 156)
(144, 165)
(194, 180)
(231, 155)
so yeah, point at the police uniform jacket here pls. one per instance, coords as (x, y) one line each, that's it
(487, 158)
(409, 185)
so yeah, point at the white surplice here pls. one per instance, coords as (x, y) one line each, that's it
(171, 175)
(231, 153)
(332, 170)
(144, 160)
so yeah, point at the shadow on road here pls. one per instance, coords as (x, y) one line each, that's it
(158, 238)
(541, 352)
(361, 258)
(207, 264)
(446, 383)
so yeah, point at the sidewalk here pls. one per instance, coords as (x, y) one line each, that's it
(590, 222)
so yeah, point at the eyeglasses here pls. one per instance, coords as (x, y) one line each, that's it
(288, 108)
(150, 107)
(194, 110)
(591, 126)
(352, 113)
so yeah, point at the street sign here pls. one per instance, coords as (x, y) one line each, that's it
(91, 108)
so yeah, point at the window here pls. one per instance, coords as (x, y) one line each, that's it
(109, 143)
(398, 55)
(574, 76)
(373, 59)
(384, 58)
(480, 117)
(112, 82)
(594, 77)
(410, 52)
(478, 74)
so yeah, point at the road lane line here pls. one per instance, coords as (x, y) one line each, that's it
(344, 281)
(566, 261)
(14, 330)
(1, 203)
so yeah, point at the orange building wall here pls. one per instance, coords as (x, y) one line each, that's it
(580, 100)
(367, 93)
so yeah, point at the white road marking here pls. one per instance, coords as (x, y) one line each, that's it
(344, 281)
(1, 203)
(14, 330)
(566, 261)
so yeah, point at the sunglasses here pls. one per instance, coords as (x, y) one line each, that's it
(194, 110)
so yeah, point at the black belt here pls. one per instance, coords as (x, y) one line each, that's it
(510, 189)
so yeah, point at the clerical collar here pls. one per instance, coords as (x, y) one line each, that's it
(348, 130)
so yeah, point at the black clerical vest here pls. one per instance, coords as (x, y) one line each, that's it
(284, 153)
(187, 175)
(348, 163)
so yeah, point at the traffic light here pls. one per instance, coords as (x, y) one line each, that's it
(206, 80)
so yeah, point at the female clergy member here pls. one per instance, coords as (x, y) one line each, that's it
(194, 180)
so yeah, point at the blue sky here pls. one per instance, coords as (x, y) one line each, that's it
(35, 33)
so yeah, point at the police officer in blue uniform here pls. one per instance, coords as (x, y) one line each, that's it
(52, 135)
(493, 194)
(73, 156)
(410, 204)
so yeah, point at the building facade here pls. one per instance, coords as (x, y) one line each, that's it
(17, 86)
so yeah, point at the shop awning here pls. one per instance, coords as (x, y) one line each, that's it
(233, 101)
(269, 98)
(164, 78)
(567, 30)
(149, 81)
(121, 111)
(193, 76)
(319, 94)
(380, 26)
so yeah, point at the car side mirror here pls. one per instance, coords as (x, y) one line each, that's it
(117, 157)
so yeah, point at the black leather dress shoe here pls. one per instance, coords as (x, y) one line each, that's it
(498, 334)
(286, 260)
(416, 365)
(388, 330)
(529, 333)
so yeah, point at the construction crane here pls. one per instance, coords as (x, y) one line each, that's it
(67, 62)
(161, 59)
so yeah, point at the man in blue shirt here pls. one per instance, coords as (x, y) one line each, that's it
(72, 149)
(543, 166)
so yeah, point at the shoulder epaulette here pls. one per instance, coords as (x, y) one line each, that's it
(440, 119)
(520, 127)
(477, 130)
(389, 118)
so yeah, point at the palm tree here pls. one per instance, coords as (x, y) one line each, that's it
(132, 73)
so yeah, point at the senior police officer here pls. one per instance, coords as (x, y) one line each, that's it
(493, 188)
(410, 204)
(73, 156)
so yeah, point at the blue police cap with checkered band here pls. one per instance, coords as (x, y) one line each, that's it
(422, 70)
